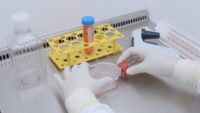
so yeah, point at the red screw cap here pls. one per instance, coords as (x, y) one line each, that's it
(124, 66)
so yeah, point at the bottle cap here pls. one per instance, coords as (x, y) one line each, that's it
(21, 22)
(88, 20)
(124, 66)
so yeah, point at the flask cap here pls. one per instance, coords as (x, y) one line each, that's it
(21, 22)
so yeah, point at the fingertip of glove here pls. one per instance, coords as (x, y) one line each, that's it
(55, 74)
(109, 79)
(66, 68)
(119, 61)
(85, 64)
(106, 80)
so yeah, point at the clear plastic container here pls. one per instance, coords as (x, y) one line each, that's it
(104, 69)
(26, 52)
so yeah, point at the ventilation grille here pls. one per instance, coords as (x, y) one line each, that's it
(135, 18)
(4, 58)
(4, 54)
(130, 21)
(45, 44)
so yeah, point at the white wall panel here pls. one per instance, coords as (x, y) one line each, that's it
(49, 16)
(183, 14)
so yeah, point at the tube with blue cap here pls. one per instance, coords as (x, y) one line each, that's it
(88, 32)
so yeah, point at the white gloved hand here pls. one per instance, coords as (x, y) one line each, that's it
(79, 77)
(152, 63)
(78, 87)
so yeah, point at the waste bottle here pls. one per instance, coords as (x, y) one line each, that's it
(27, 54)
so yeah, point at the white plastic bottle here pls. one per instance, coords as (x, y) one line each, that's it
(26, 52)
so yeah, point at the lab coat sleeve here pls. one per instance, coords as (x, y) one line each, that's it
(100, 108)
(84, 101)
(188, 72)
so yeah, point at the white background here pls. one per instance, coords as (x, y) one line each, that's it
(183, 14)
(50, 16)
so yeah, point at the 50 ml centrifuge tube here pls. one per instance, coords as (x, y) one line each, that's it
(130, 61)
(88, 33)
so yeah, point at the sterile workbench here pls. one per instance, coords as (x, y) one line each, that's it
(138, 94)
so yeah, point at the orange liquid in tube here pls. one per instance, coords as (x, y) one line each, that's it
(88, 33)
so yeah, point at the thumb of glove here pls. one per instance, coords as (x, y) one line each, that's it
(101, 83)
(59, 79)
(136, 69)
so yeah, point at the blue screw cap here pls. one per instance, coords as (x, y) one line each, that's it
(88, 20)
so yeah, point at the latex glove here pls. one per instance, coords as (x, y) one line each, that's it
(79, 77)
(151, 62)
(78, 87)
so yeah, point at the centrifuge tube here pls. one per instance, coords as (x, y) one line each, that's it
(88, 33)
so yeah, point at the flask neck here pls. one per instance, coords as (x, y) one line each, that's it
(22, 31)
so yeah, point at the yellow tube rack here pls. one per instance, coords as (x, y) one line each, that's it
(68, 49)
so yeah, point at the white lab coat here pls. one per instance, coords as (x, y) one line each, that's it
(84, 101)
(188, 72)
(100, 108)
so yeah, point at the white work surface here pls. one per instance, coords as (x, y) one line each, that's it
(138, 94)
